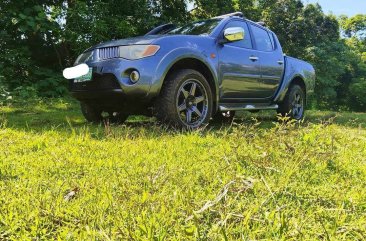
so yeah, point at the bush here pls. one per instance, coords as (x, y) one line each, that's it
(5, 96)
(49, 83)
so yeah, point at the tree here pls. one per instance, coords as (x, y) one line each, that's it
(28, 46)
(354, 29)
(354, 26)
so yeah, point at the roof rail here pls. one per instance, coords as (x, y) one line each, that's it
(236, 14)
(262, 23)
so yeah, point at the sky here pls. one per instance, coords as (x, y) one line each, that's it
(338, 7)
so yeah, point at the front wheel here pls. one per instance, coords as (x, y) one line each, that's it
(185, 100)
(293, 105)
(91, 114)
(95, 115)
(117, 117)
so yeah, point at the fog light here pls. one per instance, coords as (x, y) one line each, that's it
(134, 76)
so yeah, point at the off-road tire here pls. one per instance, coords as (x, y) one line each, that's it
(91, 114)
(291, 106)
(117, 117)
(95, 115)
(166, 106)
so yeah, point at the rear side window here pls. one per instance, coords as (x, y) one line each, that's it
(262, 39)
(247, 41)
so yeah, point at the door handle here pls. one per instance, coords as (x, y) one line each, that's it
(253, 58)
(280, 62)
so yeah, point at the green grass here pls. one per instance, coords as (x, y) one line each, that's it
(257, 179)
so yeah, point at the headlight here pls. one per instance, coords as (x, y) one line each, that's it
(84, 57)
(133, 52)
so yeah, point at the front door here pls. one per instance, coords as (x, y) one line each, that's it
(239, 67)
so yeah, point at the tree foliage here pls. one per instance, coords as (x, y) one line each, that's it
(355, 31)
(41, 37)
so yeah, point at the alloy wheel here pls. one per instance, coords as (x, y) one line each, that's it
(297, 106)
(192, 103)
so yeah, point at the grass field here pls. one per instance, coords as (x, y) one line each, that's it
(257, 179)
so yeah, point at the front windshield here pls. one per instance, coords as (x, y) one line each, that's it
(203, 27)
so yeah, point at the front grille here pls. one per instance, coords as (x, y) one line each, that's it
(108, 53)
(98, 82)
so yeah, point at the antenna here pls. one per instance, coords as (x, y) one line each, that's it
(236, 14)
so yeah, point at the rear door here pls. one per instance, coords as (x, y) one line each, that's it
(239, 67)
(271, 60)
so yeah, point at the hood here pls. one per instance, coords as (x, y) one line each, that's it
(148, 39)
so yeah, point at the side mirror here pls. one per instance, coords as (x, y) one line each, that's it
(234, 34)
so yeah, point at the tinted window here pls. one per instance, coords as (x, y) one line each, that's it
(204, 27)
(262, 39)
(247, 42)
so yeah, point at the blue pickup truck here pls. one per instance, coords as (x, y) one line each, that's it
(187, 75)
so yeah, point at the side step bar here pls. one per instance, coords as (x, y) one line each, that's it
(234, 107)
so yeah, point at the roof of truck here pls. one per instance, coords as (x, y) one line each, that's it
(240, 15)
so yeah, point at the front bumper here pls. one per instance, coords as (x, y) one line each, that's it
(110, 77)
(98, 95)
(101, 86)
(113, 100)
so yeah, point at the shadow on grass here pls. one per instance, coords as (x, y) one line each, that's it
(65, 117)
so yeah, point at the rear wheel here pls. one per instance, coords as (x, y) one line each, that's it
(294, 103)
(185, 100)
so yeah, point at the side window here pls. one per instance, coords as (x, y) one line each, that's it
(247, 41)
(262, 39)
